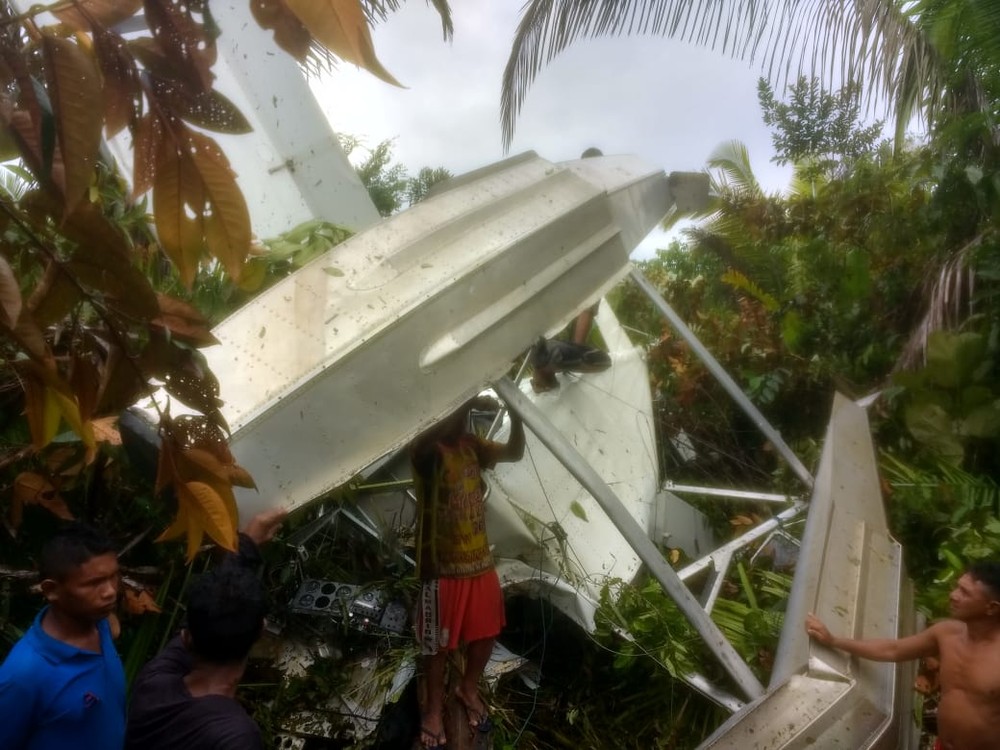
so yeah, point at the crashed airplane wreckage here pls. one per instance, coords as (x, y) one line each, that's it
(328, 375)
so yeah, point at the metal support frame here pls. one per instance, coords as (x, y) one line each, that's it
(762, 497)
(718, 560)
(634, 534)
(722, 376)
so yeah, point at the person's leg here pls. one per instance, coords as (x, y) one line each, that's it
(582, 325)
(432, 722)
(484, 619)
(434, 661)
(477, 654)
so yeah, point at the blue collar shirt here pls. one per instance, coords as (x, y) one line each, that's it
(54, 696)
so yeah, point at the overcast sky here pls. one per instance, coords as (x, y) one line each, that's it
(667, 102)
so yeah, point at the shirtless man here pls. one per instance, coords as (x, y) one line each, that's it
(968, 647)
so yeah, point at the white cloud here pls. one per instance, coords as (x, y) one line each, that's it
(668, 102)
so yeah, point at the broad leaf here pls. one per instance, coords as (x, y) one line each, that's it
(207, 109)
(10, 295)
(42, 411)
(54, 296)
(122, 92)
(341, 27)
(182, 40)
(34, 489)
(983, 422)
(931, 425)
(227, 227)
(178, 527)
(31, 339)
(212, 512)
(179, 234)
(200, 393)
(289, 33)
(139, 602)
(183, 321)
(75, 91)
(85, 380)
(83, 14)
(952, 358)
(146, 150)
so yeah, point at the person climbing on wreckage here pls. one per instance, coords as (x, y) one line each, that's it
(460, 600)
(968, 648)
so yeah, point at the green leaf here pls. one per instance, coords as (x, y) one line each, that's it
(984, 422)
(931, 425)
(577, 510)
(792, 329)
(952, 358)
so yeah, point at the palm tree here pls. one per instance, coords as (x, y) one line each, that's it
(908, 56)
(937, 59)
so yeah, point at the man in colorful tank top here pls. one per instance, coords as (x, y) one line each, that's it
(461, 601)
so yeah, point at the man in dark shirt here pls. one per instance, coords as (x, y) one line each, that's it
(185, 698)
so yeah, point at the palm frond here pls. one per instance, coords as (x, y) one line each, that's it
(871, 42)
(950, 293)
(732, 159)
(378, 11)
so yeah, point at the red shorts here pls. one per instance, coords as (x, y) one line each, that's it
(459, 610)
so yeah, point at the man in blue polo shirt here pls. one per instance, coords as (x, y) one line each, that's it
(62, 685)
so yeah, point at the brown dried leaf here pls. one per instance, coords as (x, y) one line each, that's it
(28, 135)
(182, 40)
(85, 380)
(200, 392)
(75, 92)
(31, 338)
(106, 430)
(54, 296)
(42, 411)
(176, 183)
(102, 12)
(121, 382)
(147, 139)
(166, 472)
(193, 431)
(342, 27)
(227, 227)
(240, 477)
(10, 295)
(139, 602)
(289, 33)
(177, 528)
(34, 489)
(195, 533)
(184, 321)
(197, 463)
(205, 503)
(207, 109)
(122, 91)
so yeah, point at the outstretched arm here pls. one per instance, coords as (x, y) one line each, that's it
(877, 649)
(514, 448)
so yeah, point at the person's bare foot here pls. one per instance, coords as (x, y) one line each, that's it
(475, 709)
(432, 734)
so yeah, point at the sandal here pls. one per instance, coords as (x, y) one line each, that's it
(478, 721)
